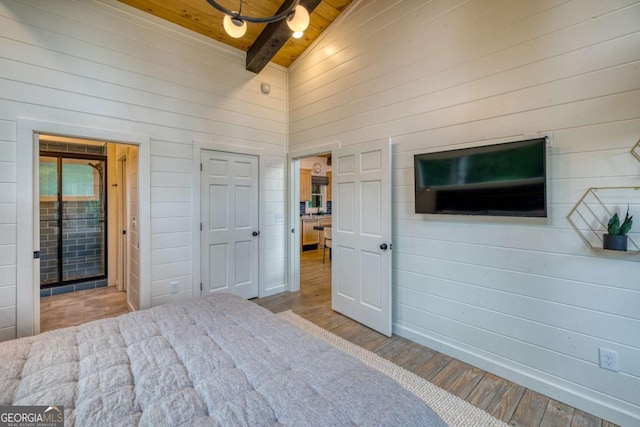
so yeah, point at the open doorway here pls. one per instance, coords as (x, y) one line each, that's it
(315, 218)
(361, 231)
(87, 224)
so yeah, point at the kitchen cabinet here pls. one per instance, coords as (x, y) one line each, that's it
(305, 185)
(329, 186)
(309, 235)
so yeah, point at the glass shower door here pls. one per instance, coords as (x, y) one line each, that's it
(83, 219)
(49, 222)
(72, 221)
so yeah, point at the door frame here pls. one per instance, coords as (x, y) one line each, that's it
(231, 148)
(123, 214)
(293, 162)
(27, 221)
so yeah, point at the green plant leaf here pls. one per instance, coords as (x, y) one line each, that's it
(626, 225)
(613, 227)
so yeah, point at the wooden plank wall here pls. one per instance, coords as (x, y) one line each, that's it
(102, 64)
(525, 299)
(7, 229)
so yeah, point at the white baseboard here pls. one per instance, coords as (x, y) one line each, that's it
(273, 290)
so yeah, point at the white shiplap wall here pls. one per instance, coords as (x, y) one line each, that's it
(525, 299)
(7, 229)
(101, 64)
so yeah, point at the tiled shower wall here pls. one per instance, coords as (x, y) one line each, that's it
(83, 249)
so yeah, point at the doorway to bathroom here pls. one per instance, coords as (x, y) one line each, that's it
(87, 229)
(73, 217)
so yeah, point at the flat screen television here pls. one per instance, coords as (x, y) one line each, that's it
(503, 180)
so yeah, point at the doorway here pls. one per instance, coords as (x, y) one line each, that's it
(361, 232)
(28, 133)
(86, 208)
(315, 222)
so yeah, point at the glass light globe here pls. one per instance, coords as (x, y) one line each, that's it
(297, 34)
(300, 19)
(232, 28)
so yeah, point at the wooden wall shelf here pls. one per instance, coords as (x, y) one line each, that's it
(589, 217)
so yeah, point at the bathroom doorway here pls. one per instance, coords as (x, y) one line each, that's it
(88, 227)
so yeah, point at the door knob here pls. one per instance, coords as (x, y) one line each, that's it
(255, 233)
(384, 246)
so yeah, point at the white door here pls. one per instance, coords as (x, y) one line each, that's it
(229, 239)
(361, 276)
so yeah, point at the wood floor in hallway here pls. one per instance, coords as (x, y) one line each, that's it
(507, 401)
(75, 308)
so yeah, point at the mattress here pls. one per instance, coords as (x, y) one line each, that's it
(214, 361)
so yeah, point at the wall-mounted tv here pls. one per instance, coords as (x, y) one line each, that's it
(503, 180)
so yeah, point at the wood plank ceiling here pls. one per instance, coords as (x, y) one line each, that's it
(199, 16)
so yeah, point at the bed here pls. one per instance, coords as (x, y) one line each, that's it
(214, 361)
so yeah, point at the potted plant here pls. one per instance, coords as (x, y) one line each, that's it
(617, 238)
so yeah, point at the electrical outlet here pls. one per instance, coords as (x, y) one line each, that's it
(174, 287)
(609, 360)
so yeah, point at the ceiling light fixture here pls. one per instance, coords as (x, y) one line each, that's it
(235, 23)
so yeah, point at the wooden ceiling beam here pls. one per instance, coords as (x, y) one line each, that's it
(272, 38)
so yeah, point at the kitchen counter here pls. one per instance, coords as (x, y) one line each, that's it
(314, 218)
(311, 230)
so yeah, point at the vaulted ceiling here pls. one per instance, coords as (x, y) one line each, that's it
(263, 42)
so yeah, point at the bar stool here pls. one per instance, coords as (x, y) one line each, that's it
(327, 242)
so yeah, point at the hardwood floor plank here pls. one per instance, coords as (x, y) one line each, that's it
(433, 366)
(486, 391)
(458, 378)
(406, 353)
(557, 415)
(582, 419)
(506, 401)
(530, 410)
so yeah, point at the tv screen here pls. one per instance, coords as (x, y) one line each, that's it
(503, 180)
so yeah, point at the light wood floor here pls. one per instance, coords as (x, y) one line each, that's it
(503, 399)
(75, 308)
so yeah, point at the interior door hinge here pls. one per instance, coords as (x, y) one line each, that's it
(36, 254)
(200, 226)
(200, 286)
(200, 167)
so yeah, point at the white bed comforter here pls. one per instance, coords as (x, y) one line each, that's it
(215, 361)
